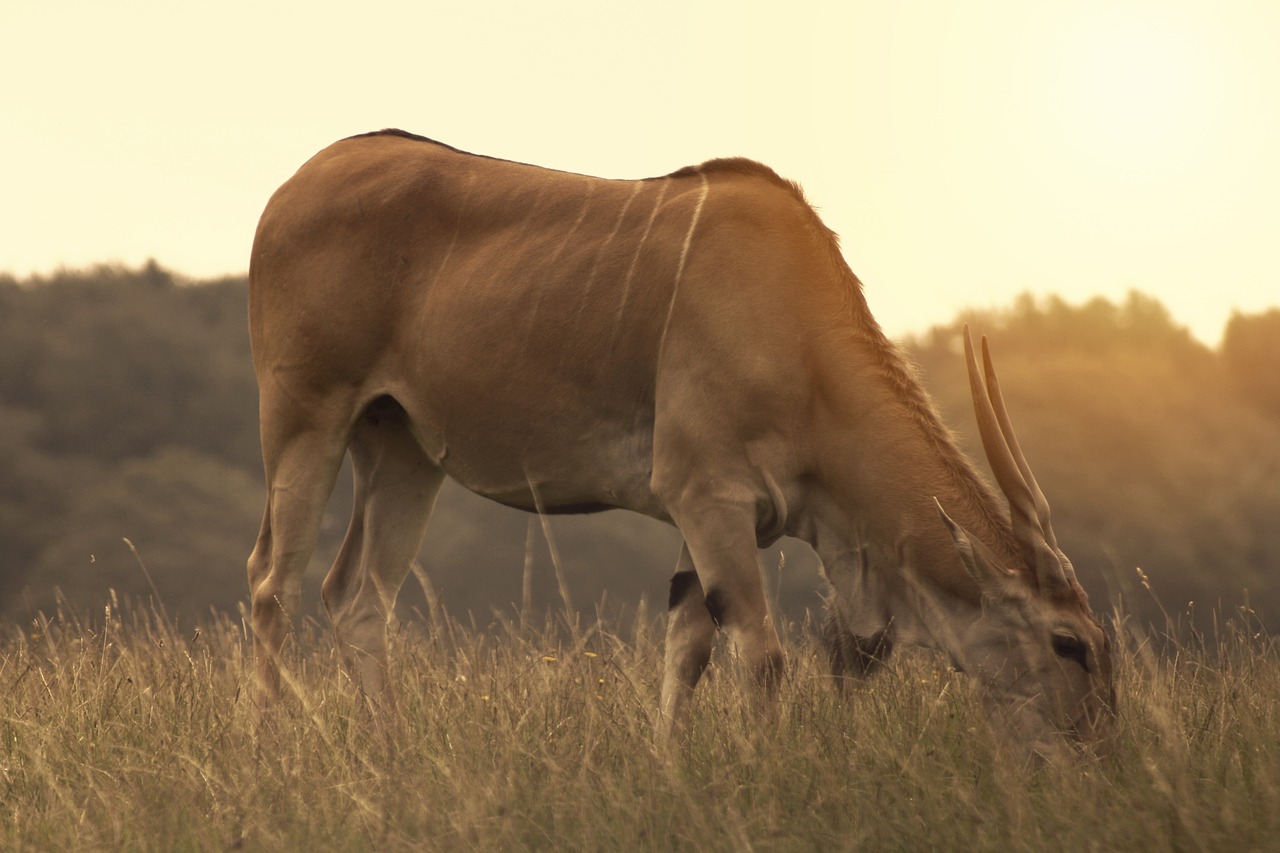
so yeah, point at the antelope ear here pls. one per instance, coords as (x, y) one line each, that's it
(993, 579)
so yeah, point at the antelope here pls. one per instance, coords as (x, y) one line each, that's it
(691, 347)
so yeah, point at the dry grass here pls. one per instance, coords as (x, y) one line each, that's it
(126, 731)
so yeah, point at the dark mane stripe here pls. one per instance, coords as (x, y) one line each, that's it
(403, 134)
(396, 132)
(903, 377)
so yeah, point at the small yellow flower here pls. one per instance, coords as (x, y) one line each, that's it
(484, 698)
(549, 658)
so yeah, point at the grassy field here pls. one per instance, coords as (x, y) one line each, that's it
(126, 731)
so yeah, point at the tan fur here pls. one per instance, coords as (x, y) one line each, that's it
(691, 347)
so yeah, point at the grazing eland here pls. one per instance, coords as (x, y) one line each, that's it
(691, 347)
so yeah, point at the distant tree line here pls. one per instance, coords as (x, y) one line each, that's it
(1156, 452)
(128, 410)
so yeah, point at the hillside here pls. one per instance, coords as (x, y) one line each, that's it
(128, 410)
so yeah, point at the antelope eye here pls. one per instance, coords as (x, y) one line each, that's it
(1070, 647)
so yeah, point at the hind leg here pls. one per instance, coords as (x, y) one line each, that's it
(301, 456)
(395, 489)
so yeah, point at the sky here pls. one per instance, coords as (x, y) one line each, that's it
(965, 152)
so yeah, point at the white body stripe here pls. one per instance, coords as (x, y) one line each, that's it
(684, 257)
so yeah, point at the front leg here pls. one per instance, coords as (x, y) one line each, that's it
(720, 540)
(691, 634)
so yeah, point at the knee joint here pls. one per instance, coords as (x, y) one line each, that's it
(684, 585)
(717, 605)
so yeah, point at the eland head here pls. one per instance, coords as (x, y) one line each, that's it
(1041, 657)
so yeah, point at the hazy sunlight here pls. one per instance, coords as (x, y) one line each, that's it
(1130, 95)
(964, 152)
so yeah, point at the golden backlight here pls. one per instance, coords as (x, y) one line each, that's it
(1125, 100)
(1131, 97)
(1140, 124)
(1079, 147)
(965, 151)
(1129, 123)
